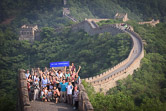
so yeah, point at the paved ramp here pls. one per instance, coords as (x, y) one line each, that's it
(50, 106)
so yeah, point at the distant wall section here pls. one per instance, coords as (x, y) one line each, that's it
(110, 82)
(92, 28)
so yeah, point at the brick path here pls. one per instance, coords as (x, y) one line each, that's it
(50, 106)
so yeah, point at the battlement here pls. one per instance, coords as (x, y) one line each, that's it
(92, 28)
(111, 76)
(33, 27)
(152, 22)
(95, 20)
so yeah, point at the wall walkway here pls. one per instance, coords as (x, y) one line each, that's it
(105, 81)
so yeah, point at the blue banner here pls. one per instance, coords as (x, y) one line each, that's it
(59, 64)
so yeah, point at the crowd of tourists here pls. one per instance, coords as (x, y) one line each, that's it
(54, 85)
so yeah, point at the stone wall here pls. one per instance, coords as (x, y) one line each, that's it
(84, 103)
(92, 28)
(95, 20)
(110, 82)
(152, 22)
(94, 78)
(105, 85)
(29, 32)
(66, 12)
(23, 92)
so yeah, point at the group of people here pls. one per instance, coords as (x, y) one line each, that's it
(54, 85)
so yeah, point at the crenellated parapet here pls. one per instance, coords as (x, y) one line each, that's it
(113, 75)
(92, 28)
(152, 22)
(95, 20)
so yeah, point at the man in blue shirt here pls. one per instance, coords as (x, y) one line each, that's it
(44, 82)
(63, 90)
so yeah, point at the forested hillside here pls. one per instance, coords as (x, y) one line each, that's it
(145, 90)
(98, 8)
(40, 12)
(136, 9)
(82, 49)
(146, 9)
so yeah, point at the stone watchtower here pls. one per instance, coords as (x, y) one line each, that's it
(121, 16)
(29, 32)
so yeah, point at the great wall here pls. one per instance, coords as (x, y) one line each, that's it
(102, 82)
(152, 22)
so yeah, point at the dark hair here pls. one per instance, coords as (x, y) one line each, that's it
(59, 71)
(30, 83)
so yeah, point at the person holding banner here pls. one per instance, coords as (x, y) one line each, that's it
(73, 68)
(67, 74)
